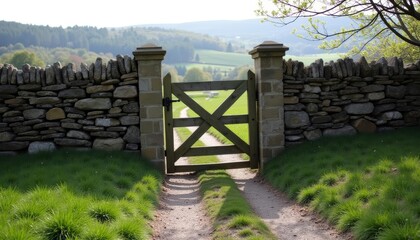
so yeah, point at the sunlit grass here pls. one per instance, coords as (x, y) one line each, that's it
(77, 195)
(368, 184)
(232, 214)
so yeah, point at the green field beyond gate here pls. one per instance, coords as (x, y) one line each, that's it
(211, 104)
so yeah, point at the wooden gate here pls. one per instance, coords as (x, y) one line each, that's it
(207, 120)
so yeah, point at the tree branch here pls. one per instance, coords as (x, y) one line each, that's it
(385, 21)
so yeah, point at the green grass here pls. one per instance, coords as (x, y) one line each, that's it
(368, 184)
(77, 195)
(232, 216)
(240, 107)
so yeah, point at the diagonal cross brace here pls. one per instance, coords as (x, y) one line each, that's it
(211, 120)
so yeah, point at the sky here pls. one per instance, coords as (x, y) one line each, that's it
(120, 13)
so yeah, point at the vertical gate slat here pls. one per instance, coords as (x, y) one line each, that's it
(252, 121)
(169, 126)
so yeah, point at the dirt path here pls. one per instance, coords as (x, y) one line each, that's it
(286, 219)
(181, 214)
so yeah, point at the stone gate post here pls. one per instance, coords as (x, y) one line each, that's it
(149, 63)
(268, 62)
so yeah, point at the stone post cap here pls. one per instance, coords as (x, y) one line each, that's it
(269, 49)
(149, 51)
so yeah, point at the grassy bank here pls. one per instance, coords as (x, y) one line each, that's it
(77, 195)
(367, 184)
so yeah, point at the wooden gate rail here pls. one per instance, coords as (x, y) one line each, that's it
(207, 120)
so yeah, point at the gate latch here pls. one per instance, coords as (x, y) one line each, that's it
(167, 102)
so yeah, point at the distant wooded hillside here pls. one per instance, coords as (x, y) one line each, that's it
(246, 34)
(180, 44)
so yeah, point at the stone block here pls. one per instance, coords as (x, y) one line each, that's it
(375, 96)
(364, 126)
(6, 136)
(155, 112)
(397, 92)
(34, 113)
(359, 108)
(274, 100)
(312, 134)
(72, 93)
(44, 100)
(93, 104)
(13, 146)
(35, 147)
(99, 88)
(296, 119)
(132, 135)
(346, 130)
(291, 100)
(55, 114)
(129, 120)
(151, 99)
(109, 144)
(125, 92)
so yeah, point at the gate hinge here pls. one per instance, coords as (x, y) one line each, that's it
(167, 102)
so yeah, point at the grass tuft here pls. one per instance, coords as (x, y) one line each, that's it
(308, 194)
(61, 226)
(100, 232)
(400, 232)
(104, 212)
(240, 221)
(130, 230)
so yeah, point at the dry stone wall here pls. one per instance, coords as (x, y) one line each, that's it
(94, 107)
(97, 106)
(346, 97)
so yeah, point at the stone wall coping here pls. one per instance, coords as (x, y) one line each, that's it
(149, 52)
(268, 49)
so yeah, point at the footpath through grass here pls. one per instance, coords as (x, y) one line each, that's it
(232, 215)
(77, 195)
(366, 184)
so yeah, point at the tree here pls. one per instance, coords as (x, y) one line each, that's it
(229, 47)
(390, 47)
(373, 19)
(197, 58)
(196, 75)
(20, 58)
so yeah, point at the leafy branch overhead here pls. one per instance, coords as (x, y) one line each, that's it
(371, 19)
